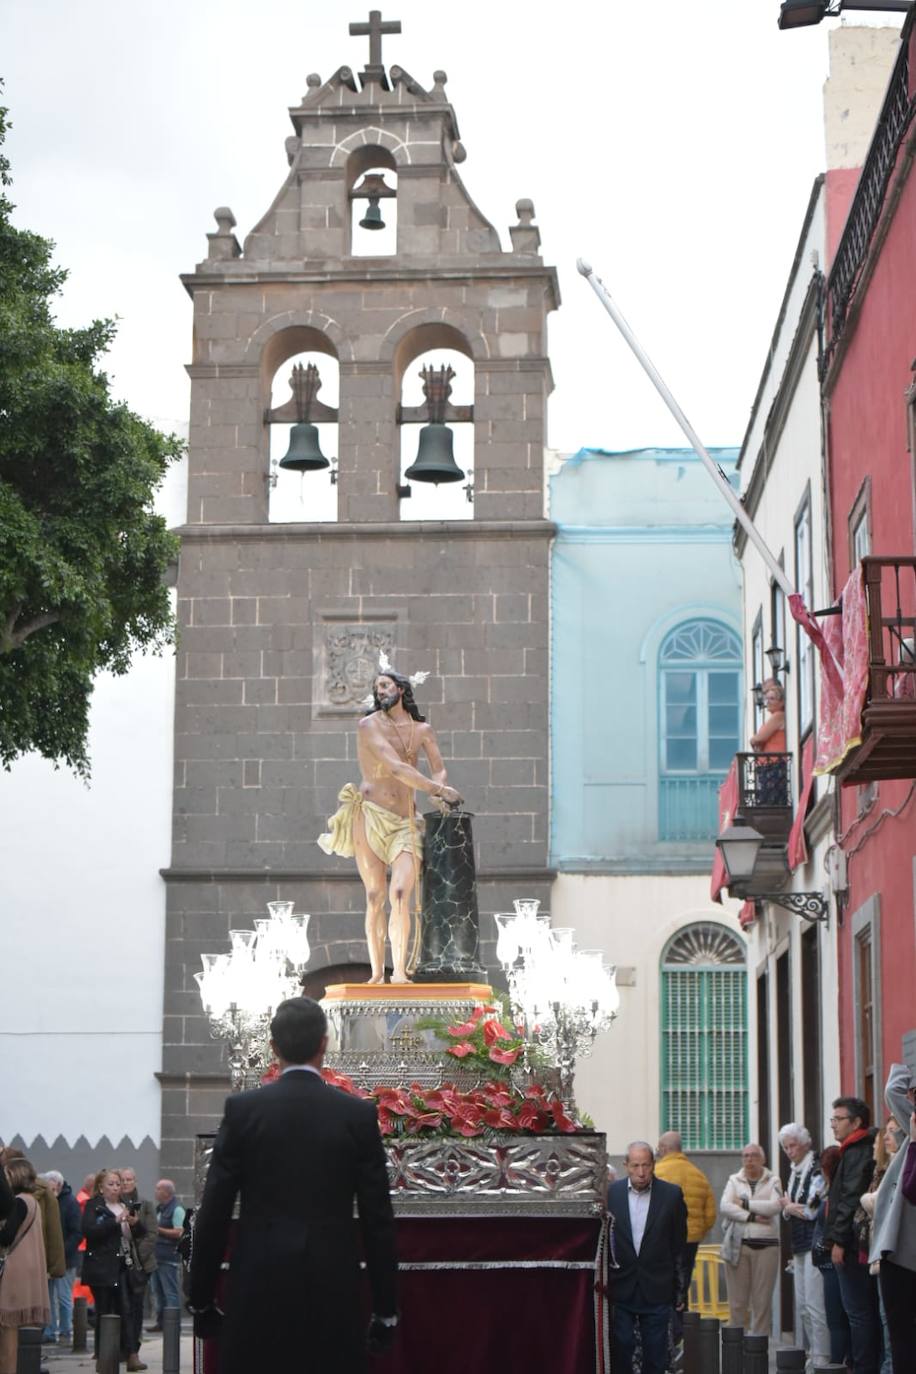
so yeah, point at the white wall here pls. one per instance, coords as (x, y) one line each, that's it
(632, 919)
(83, 916)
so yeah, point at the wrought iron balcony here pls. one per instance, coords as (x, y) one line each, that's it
(888, 748)
(868, 202)
(765, 794)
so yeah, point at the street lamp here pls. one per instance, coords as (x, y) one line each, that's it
(800, 14)
(739, 844)
(778, 663)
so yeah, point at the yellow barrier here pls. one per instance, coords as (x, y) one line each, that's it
(708, 1294)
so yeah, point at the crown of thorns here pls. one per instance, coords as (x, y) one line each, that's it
(386, 666)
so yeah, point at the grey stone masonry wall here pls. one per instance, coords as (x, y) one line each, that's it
(280, 623)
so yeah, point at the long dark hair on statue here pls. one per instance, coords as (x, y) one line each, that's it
(407, 701)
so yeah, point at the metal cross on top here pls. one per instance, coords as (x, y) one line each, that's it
(375, 28)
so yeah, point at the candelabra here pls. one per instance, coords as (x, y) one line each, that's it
(241, 989)
(560, 995)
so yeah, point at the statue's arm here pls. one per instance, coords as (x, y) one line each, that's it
(387, 755)
(430, 746)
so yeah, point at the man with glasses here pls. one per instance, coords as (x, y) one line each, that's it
(850, 1122)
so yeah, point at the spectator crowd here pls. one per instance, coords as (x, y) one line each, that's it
(105, 1242)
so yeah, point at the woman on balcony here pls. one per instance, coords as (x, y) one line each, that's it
(770, 738)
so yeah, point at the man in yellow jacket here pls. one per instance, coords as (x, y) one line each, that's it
(674, 1167)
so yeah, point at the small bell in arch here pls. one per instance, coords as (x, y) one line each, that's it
(435, 460)
(304, 452)
(373, 188)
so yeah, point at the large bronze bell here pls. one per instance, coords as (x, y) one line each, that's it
(435, 460)
(304, 453)
(373, 216)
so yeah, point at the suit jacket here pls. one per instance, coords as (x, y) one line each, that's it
(296, 1154)
(655, 1277)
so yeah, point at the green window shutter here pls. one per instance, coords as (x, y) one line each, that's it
(704, 1091)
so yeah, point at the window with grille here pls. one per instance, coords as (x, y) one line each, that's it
(699, 690)
(704, 1088)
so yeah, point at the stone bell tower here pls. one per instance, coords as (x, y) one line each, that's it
(281, 623)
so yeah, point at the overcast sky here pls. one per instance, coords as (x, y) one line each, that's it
(672, 142)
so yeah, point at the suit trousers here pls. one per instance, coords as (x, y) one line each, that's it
(652, 1324)
(750, 1285)
(810, 1317)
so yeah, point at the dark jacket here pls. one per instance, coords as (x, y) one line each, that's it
(655, 1277)
(908, 1182)
(296, 1153)
(101, 1259)
(6, 1197)
(849, 1182)
(146, 1232)
(71, 1223)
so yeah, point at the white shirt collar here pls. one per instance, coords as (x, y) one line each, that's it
(301, 1068)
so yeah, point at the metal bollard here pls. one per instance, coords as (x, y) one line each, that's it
(790, 1361)
(80, 1323)
(691, 1336)
(708, 1345)
(756, 1354)
(108, 1344)
(28, 1350)
(171, 1340)
(732, 1352)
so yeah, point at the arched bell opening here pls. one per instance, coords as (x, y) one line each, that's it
(372, 187)
(302, 417)
(434, 373)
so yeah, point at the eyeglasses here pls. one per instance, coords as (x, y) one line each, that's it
(835, 1119)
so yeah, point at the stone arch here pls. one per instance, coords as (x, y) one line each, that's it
(375, 139)
(421, 330)
(296, 331)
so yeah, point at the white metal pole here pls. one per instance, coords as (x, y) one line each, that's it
(712, 468)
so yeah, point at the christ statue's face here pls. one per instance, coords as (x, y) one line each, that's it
(387, 691)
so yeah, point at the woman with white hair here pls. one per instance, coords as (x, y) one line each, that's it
(800, 1204)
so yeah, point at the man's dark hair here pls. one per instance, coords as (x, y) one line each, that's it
(297, 1029)
(407, 701)
(855, 1107)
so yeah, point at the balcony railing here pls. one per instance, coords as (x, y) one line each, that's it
(888, 748)
(688, 807)
(868, 202)
(765, 794)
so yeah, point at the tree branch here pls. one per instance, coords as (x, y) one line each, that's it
(12, 638)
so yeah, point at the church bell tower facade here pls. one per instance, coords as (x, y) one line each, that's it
(281, 621)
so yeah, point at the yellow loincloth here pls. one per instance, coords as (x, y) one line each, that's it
(388, 835)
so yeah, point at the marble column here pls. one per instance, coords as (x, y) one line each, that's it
(449, 950)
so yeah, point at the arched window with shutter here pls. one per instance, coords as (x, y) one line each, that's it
(699, 704)
(704, 1087)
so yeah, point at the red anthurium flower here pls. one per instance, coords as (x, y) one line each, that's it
(461, 1032)
(561, 1120)
(504, 1056)
(529, 1115)
(535, 1091)
(385, 1122)
(493, 1031)
(497, 1094)
(500, 1118)
(272, 1073)
(459, 1051)
(477, 1013)
(424, 1120)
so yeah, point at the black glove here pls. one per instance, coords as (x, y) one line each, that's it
(380, 1336)
(208, 1322)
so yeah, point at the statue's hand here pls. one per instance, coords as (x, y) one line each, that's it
(449, 795)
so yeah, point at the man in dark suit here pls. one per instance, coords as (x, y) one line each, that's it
(650, 1236)
(296, 1153)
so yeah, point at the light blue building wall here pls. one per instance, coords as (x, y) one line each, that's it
(646, 660)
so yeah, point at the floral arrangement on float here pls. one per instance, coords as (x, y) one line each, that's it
(486, 1042)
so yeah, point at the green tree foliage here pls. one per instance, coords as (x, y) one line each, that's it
(82, 554)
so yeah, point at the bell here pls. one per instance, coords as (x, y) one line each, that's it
(435, 460)
(373, 216)
(304, 453)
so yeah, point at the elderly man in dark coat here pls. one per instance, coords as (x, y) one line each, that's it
(296, 1153)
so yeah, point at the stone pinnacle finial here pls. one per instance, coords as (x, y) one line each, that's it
(525, 236)
(525, 211)
(313, 81)
(225, 219)
(223, 244)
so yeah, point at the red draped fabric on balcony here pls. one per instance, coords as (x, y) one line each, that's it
(798, 848)
(845, 643)
(728, 805)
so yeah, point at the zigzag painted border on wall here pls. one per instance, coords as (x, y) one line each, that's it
(79, 1159)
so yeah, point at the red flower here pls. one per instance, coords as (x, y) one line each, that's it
(419, 1121)
(459, 1051)
(463, 1031)
(493, 1031)
(530, 1116)
(500, 1118)
(385, 1122)
(503, 1056)
(478, 1012)
(497, 1094)
(271, 1073)
(560, 1119)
